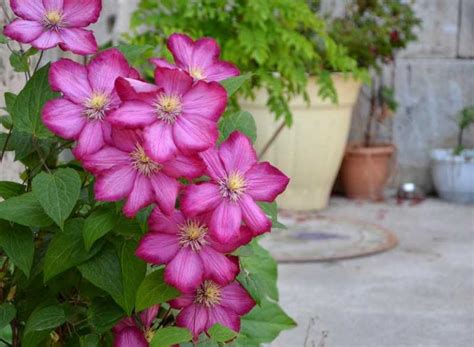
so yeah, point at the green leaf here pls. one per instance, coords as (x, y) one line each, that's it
(34, 338)
(221, 333)
(26, 112)
(10, 99)
(134, 53)
(3, 39)
(66, 250)
(104, 271)
(271, 210)
(103, 314)
(19, 62)
(7, 313)
(264, 323)
(91, 340)
(58, 193)
(170, 336)
(17, 242)
(259, 274)
(241, 121)
(10, 189)
(45, 318)
(234, 83)
(133, 273)
(25, 210)
(154, 290)
(98, 224)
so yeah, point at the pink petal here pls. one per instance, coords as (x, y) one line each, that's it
(199, 198)
(244, 237)
(157, 248)
(53, 5)
(70, 78)
(189, 167)
(163, 223)
(140, 196)
(185, 270)
(126, 139)
(225, 221)
(23, 30)
(166, 191)
(130, 337)
(133, 89)
(124, 324)
(181, 46)
(79, 41)
(184, 300)
(253, 215)
(90, 140)
(28, 9)
(133, 114)
(148, 316)
(115, 184)
(105, 159)
(63, 118)
(48, 39)
(159, 143)
(217, 266)
(214, 167)
(194, 133)
(205, 52)
(173, 81)
(81, 13)
(236, 298)
(220, 71)
(265, 182)
(223, 316)
(158, 62)
(105, 68)
(205, 99)
(237, 153)
(193, 317)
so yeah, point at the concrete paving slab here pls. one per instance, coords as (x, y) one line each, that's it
(418, 294)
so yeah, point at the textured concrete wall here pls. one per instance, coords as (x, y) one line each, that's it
(434, 78)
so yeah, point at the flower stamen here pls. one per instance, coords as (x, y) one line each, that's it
(233, 186)
(208, 294)
(197, 73)
(168, 107)
(97, 106)
(52, 20)
(143, 163)
(193, 234)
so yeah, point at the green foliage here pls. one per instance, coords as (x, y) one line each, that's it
(25, 210)
(465, 119)
(274, 40)
(7, 313)
(170, 336)
(10, 189)
(238, 121)
(98, 224)
(221, 333)
(154, 290)
(17, 242)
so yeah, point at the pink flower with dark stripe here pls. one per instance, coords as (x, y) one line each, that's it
(127, 333)
(190, 253)
(177, 114)
(210, 304)
(237, 182)
(48, 23)
(199, 58)
(88, 95)
(124, 171)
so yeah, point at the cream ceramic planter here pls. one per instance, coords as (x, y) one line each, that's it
(311, 151)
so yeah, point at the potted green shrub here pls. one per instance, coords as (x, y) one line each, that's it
(292, 57)
(373, 31)
(453, 169)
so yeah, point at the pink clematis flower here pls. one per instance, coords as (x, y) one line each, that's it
(210, 304)
(123, 170)
(199, 58)
(237, 181)
(129, 334)
(188, 250)
(88, 96)
(48, 23)
(177, 114)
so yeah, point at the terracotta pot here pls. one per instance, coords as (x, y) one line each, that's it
(310, 152)
(365, 171)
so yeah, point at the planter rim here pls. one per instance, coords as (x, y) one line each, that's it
(446, 155)
(361, 150)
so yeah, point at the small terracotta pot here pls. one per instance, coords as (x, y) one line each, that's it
(365, 171)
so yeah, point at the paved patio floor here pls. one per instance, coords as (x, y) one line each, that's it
(419, 294)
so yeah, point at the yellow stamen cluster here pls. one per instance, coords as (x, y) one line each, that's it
(168, 107)
(143, 163)
(96, 106)
(53, 19)
(197, 73)
(193, 234)
(233, 186)
(208, 294)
